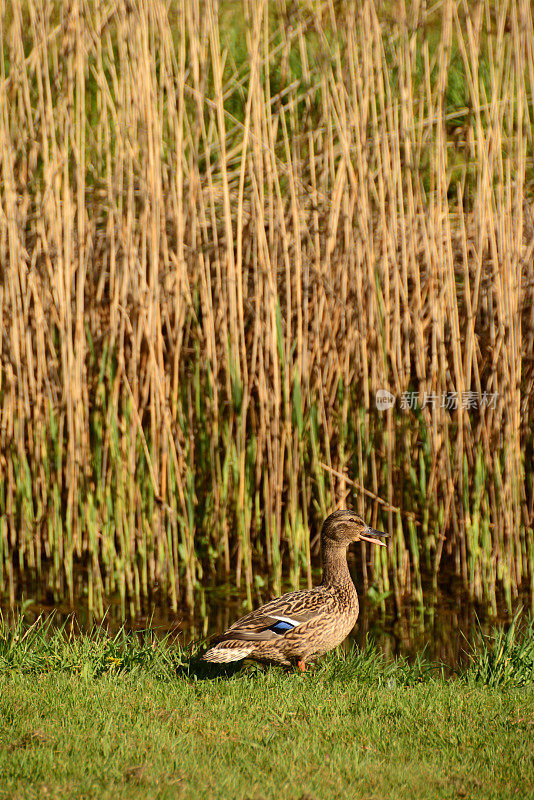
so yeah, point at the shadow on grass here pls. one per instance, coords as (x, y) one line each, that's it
(196, 669)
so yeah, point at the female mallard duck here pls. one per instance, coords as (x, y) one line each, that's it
(300, 625)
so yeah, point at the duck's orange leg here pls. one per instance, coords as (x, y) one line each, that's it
(301, 665)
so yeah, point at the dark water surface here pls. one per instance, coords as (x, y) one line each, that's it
(442, 630)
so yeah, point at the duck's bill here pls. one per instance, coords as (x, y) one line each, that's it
(370, 536)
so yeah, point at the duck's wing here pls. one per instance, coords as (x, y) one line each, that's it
(275, 619)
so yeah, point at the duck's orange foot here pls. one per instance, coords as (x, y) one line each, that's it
(301, 666)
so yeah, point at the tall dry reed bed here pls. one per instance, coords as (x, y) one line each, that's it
(223, 230)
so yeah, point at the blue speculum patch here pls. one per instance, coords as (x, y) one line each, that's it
(281, 627)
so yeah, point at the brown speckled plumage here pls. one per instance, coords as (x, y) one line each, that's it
(298, 626)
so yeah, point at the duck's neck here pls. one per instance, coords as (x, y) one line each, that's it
(335, 568)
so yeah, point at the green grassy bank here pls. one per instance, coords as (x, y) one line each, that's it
(131, 717)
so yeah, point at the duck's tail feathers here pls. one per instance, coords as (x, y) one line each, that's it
(221, 654)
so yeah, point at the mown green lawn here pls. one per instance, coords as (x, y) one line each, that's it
(103, 718)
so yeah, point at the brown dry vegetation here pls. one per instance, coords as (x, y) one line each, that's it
(223, 229)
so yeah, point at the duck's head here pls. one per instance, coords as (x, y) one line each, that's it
(344, 527)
